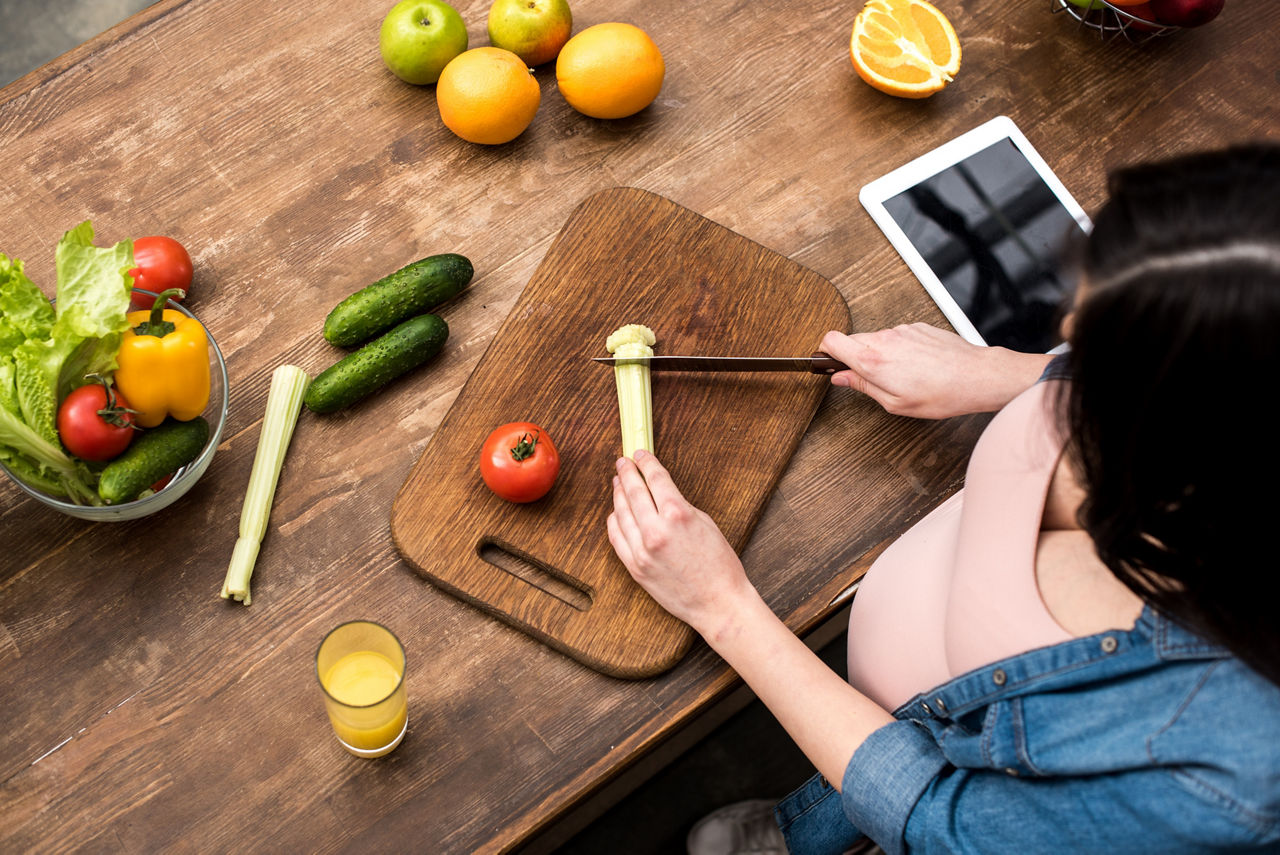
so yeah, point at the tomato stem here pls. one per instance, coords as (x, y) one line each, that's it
(112, 413)
(524, 449)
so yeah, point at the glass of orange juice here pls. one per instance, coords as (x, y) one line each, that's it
(361, 669)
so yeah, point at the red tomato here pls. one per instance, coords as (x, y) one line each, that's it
(160, 263)
(93, 422)
(519, 462)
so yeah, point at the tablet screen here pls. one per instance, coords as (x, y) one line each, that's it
(996, 236)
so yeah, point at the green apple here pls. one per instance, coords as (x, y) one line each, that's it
(533, 30)
(1087, 5)
(419, 37)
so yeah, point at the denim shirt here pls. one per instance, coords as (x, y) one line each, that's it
(1145, 740)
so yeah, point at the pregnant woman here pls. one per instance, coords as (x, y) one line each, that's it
(1075, 652)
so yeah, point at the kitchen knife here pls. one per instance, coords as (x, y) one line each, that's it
(818, 363)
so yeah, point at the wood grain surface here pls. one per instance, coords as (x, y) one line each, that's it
(624, 256)
(142, 713)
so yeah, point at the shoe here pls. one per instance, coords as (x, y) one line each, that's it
(743, 828)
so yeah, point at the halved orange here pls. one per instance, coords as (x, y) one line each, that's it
(904, 47)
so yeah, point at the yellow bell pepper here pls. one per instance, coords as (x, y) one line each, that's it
(164, 364)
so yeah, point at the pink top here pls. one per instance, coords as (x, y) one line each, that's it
(958, 590)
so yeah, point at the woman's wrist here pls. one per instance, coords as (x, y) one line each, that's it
(738, 614)
(1007, 374)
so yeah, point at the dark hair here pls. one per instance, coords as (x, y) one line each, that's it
(1175, 358)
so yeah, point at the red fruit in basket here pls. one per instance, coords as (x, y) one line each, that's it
(1186, 13)
(1143, 11)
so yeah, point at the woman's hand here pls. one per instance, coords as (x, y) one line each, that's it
(679, 556)
(922, 371)
(673, 550)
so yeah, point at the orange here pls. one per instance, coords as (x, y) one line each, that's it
(487, 95)
(610, 71)
(904, 47)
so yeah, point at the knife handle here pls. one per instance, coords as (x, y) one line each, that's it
(820, 363)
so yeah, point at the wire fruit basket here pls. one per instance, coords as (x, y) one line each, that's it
(1109, 21)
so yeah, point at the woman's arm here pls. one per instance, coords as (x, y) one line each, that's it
(678, 554)
(929, 373)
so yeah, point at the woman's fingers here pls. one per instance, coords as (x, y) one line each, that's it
(648, 486)
(665, 494)
(835, 343)
(850, 350)
(855, 381)
(624, 512)
(617, 538)
(634, 490)
(647, 509)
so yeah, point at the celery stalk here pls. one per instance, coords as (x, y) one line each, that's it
(635, 393)
(284, 402)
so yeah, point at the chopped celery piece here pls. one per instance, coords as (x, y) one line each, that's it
(635, 394)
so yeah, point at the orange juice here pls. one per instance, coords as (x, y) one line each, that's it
(361, 678)
(367, 705)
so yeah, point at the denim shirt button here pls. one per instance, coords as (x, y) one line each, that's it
(942, 707)
(1109, 644)
(824, 782)
(927, 711)
(1011, 771)
(998, 676)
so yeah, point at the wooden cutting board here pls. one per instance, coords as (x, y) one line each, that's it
(624, 256)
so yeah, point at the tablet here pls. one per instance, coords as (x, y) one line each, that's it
(987, 228)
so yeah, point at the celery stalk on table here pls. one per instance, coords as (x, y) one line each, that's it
(284, 402)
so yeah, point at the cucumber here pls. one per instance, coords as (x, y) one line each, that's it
(411, 290)
(157, 452)
(376, 364)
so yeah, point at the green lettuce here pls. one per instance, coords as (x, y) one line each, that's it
(46, 352)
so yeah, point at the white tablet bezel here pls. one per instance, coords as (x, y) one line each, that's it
(874, 195)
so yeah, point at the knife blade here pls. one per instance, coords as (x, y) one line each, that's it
(818, 363)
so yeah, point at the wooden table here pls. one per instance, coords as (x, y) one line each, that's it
(144, 713)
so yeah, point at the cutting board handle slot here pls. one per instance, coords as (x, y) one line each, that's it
(534, 573)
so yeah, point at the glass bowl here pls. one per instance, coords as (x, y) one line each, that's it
(183, 480)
